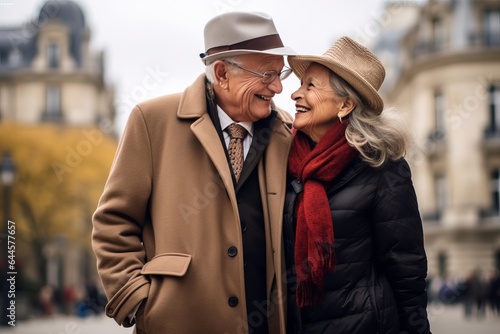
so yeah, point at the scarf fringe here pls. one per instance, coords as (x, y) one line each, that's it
(310, 288)
(326, 253)
(308, 294)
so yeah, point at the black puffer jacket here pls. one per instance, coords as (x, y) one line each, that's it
(379, 282)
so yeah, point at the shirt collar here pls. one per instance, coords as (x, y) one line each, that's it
(225, 120)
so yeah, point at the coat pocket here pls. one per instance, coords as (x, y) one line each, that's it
(152, 312)
(169, 264)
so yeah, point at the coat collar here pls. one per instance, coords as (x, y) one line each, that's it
(192, 103)
(353, 169)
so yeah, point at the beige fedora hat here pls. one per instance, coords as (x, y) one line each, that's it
(354, 63)
(237, 33)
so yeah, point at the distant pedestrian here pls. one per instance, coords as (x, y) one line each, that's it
(482, 297)
(69, 299)
(46, 299)
(475, 295)
(494, 293)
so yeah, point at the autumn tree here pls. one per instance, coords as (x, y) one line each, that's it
(60, 174)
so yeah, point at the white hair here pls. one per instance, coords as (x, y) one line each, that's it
(210, 72)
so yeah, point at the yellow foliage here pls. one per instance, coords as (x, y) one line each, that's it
(60, 174)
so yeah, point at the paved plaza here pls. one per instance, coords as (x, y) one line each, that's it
(451, 320)
(444, 320)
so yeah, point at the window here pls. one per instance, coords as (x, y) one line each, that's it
(442, 264)
(53, 103)
(53, 55)
(3, 56)
(439, 110)
(441, 194)
(494, 98)
(492, 27)
(438, 133)
(437, 33)
(495, 191)
(15, 57)
(497, 260)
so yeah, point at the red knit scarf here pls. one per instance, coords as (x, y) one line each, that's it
(314, 251)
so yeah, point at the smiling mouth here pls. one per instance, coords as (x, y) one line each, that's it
(262, 97)
(301, 109)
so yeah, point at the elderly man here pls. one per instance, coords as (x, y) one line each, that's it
(187, 233)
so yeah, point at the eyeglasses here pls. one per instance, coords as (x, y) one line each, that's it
(267, 76)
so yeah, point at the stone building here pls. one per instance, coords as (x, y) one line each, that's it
(48, 72)
(50, 76)
(444, 73)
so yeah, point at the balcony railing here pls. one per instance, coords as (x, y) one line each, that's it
(489, 213)
(491, 132)
(432, 218)
(429, 47)
(491, 139)
(52, 116)
(436, 143)
(490, 217)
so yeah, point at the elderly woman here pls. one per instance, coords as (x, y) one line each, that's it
(353, 233)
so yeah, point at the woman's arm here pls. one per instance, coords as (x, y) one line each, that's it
(400, 244)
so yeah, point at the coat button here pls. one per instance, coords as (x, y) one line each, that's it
(233, 301)
(244, 228)
(232, 251)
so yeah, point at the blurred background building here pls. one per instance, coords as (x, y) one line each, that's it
(56, 128)
(443, 71)
(50, 62)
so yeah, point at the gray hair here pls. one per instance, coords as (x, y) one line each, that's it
(376, 137)
(210, 72)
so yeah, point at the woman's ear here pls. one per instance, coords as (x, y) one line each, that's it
(220, 71)
(347, 106)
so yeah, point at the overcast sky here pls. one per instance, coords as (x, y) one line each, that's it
(163, 39)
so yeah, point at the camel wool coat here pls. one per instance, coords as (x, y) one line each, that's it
(168, 216)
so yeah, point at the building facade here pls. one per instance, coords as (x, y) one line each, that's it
(445, 77)
(48, 72)
(50, 76)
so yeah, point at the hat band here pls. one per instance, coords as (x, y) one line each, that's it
(257, 44)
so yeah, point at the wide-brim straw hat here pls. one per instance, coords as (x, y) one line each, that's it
(354, 63)
(237, 33)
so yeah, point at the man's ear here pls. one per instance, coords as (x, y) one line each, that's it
(220, 71)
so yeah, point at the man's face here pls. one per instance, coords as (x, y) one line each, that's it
(245, 97)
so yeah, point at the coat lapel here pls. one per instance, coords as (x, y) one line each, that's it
(206, 133)
(276, 157)
(261, 135)
(193, 104)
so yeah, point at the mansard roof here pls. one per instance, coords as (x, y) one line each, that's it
(18, 44)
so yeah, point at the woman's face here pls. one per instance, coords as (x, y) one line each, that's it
(316, 104)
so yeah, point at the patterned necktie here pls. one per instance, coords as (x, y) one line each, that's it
(235, 149)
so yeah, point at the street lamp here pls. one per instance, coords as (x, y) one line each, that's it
(7, 176)
(7, 170)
